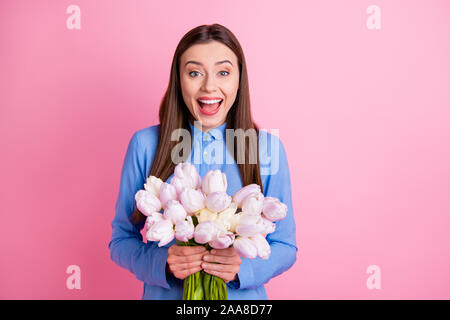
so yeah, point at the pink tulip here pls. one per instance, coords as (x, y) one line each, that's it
(184, 230)
(147, 202)
(253, 203)
(245, 248)
(262, 246)
(186, 176)
(175, 212)
(241, 194)
(249, 225)
(161, 231)
(167, 192)
(214, 181)
(223, 242)
(187, 171)
(218, 201)
(179, 184)
(273, 209)
(206, 231)
(152, 219)
(268, 226)
(192, 200)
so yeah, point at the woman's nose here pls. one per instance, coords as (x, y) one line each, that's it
(209, 83)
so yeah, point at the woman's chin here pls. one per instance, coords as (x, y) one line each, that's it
(209, 123)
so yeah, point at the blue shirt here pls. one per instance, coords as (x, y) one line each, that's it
(147, 261)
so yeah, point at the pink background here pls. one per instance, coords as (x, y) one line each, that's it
(364, 116)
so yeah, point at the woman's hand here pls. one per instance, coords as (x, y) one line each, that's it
(228, 263)
(184, 260)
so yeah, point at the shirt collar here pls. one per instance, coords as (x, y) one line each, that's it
(217, 133)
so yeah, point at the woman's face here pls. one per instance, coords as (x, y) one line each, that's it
(209, 76)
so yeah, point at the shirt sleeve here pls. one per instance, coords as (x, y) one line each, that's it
(146, 261)
(256, 272)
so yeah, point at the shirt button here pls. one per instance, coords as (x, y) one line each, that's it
(205, 153)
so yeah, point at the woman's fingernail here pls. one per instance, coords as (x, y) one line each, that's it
(206, 258)
(213, 251)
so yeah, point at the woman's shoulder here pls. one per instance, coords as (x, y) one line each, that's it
(147, 136)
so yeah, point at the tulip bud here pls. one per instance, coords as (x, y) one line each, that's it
(206, 231)
(242, 193)
(214, 181)
(229, 218)
(185, 177)
(223, 242)
(218, 201)
(161, 231)
(184, 230)
(187, 173)
(245, 248)
(167, 192)
(253, 203)
(152, 219)
(147, 202)
(249, 225)
(153, 185)
(192, 200)
(268, 226)
(175, 212)
(206, 215)
(262, 246)
(273, 209)
(179, 184)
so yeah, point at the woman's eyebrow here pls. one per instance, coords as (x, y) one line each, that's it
(200, 64)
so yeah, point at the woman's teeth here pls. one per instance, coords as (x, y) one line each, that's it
(210, 101)
(209, 107)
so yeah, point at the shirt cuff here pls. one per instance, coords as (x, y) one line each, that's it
(159, 268)
(245, 275)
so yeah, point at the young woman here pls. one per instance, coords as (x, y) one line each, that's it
(208, 93)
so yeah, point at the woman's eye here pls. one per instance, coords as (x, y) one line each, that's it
(190, 73)
(227, 73)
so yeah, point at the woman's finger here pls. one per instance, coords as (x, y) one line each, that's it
(228, 252)
(175, 259)
(220, 267)
(234, 260)
(186, 250)
(185, 266)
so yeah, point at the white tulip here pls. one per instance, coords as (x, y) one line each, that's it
(184, 230)
(206, 215)
(152, 219)
(262, 246)
(245, 248)
(161, 231)
(147, 202)
(153, 185)
(214, 181)
(253, 203)
(218, 201)
(274, 209)
(249, 225)
(242, 193)
(192, 200)
(175, 212)
(207, 231)
(167, 192)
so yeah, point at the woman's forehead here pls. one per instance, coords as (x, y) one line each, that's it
(213, 53)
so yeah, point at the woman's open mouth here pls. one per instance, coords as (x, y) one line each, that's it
(209, 107)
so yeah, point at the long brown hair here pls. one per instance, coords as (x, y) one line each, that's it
(174, 114)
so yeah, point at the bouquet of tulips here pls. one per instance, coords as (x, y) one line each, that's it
(198, 211)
